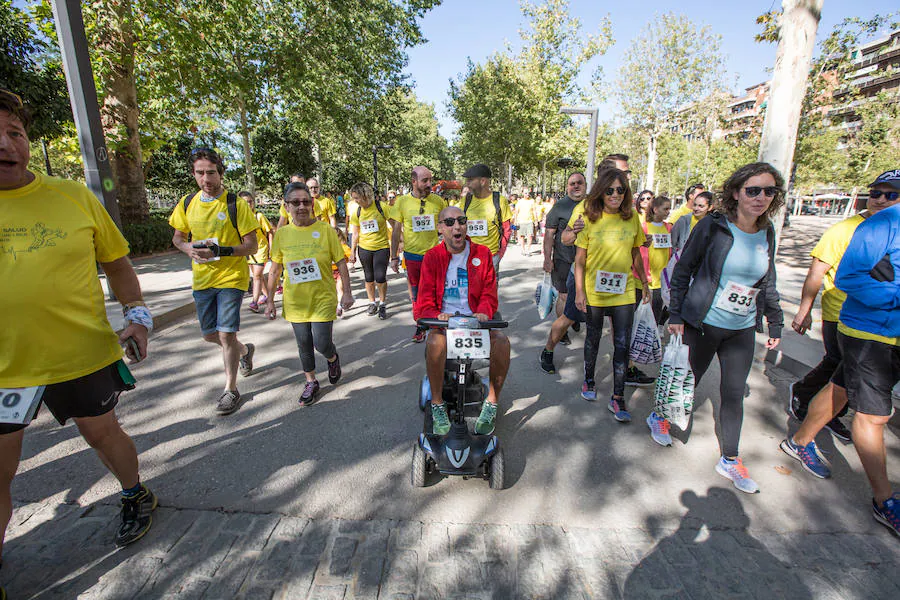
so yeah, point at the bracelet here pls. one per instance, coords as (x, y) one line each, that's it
(125, 307)
(395, 258)
(139, 315)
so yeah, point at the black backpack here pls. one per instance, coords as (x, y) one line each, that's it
(230, 203)
(496, 198)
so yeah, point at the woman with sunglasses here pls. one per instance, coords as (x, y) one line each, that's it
(304, 249)
(606, 251)
(370, 242)
(643, 204)
(721, 288)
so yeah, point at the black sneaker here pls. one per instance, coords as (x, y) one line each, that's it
(839, 430)
(228, 402)
(246, 362)
(795, 407)
(565, 341)
(334, 369)
(136, 518)
(382, 311)
(576, 326)
(372, 310)
(547, 365)
(637, 378)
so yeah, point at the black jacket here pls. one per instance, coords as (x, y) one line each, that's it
(695, 278)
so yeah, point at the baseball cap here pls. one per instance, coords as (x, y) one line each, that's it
(891, 178)
(479, 170)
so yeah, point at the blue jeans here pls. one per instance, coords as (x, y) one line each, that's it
(219, 309)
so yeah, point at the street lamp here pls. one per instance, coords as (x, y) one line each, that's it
(375, 149)
(592, 139)
(565, 164)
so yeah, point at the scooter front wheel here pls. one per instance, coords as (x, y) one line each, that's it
(497, 466)
(417, 472)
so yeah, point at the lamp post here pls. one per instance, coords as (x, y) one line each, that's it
(375, 149)
(592, 139)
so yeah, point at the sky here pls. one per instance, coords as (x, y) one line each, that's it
(461, 29)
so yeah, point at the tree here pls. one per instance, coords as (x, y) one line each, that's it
(672, 63)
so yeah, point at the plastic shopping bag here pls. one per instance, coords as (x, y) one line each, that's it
(674, 393)
(545, 297)
(646, 347)
(666, 277)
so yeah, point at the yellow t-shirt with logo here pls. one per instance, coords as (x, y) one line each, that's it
(829, 250)
(608, 242)
(262, 240)
(406, 210)
(325, 208)
(678, 213)
(659, 257)
(372, 240)
(53, 327)
(482, 209)
(526, 213)
(207, 220)
(313, 300)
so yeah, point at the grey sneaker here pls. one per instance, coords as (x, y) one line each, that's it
(229, 402)
(737, 473)
(246, 362)
(440, 422)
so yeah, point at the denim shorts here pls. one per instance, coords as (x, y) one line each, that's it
(571, 312)
(219, 309)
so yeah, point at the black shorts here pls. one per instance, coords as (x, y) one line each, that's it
(559, 274)
(89, 396)
(871, 370)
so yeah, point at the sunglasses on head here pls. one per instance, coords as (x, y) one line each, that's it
(298, 202)
(449, 221)
(615, 190)
(754, 190)
(876, 194)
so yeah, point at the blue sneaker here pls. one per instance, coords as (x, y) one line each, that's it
(617, 408)
(737, 473)
(587, 391)
(809, 456)
(888, 514)
(659, 429)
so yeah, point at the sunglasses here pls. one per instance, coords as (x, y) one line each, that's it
(615, 190)
(462, 220)
(422, 206)
(754, 190)
(298, 202)
(876, 194)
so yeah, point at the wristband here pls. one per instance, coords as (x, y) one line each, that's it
(395, 258)
(139, 315)
(225, 251)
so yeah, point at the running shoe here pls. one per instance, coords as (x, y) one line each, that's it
(485, 423)
(659, 429)
(737, 473)
(262, 300)
(795, 408)
(334, 369)
(587, 391)
(808, 455)
(228, 402)
(419, 335)
(576, 326)
(372, 310)
(280, 290)
(637, 378)
(565, 341)
(246, 362)
(382, 311)
(254, 307)
(888, 514)
(617, 408)
(440, 422)
(839, 430)
(547, 365)
(310, 392)
(136, 517)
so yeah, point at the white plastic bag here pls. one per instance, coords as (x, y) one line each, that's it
(674, 393)
(646, 347)
(666, 277)
(545, 297)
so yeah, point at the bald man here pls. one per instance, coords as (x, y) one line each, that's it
(414, 219)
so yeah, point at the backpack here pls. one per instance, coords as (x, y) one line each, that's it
(377, 205)
(231, 207)
(496, 198)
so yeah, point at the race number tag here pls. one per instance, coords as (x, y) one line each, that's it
(303, 270)
(737, 299)
(610, 283)
(209, 240)
(468, 343)
(368, 226)
(662, 240)
(19, 405)
(422, 223)
(477, 227)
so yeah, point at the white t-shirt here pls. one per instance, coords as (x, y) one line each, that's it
(456, 284)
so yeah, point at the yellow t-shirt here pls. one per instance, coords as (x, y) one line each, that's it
(53, 325)
(659, 257)
(482, 214)
(262, 241)
(406, 210)
(373, 230)
(678, 213)
(608, 242)
(865, 335)
(309, 294)
(525, 212)
(208, 220)
(829, 250)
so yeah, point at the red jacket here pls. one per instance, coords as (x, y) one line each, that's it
(482, 281)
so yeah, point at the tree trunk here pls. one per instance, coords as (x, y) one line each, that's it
(245, 140)
(651, 161)
(119, 112)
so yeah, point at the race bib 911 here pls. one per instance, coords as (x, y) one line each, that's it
(610, 283)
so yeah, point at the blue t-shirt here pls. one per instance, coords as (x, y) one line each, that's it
(747, 262)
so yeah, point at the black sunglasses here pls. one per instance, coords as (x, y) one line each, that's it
(876, 194)
(422, 206)
(462, 220)
(754, 190)
(298, 202)
(615, 190)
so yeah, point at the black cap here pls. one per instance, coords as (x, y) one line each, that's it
(479, 170)
(891, 178)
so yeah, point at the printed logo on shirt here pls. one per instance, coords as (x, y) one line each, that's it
(454, 290)
(14, 239)
(221, 216)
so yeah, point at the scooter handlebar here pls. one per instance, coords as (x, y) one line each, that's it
(489, 324)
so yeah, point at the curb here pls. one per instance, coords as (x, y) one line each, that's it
(172, 316)
(788, 363)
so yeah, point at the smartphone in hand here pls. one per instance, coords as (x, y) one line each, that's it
(132, 351)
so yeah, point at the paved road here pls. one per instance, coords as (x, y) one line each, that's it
(275, 501)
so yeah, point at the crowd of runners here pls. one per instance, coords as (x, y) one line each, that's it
(605, 248)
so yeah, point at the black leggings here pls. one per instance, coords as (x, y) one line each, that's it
(735, 349)
(310, 335)
(374, 264)
(622, 318)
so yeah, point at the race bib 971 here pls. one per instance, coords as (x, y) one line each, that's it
(738, 299)
(303, 270)
(477, 227)
(610, 283)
